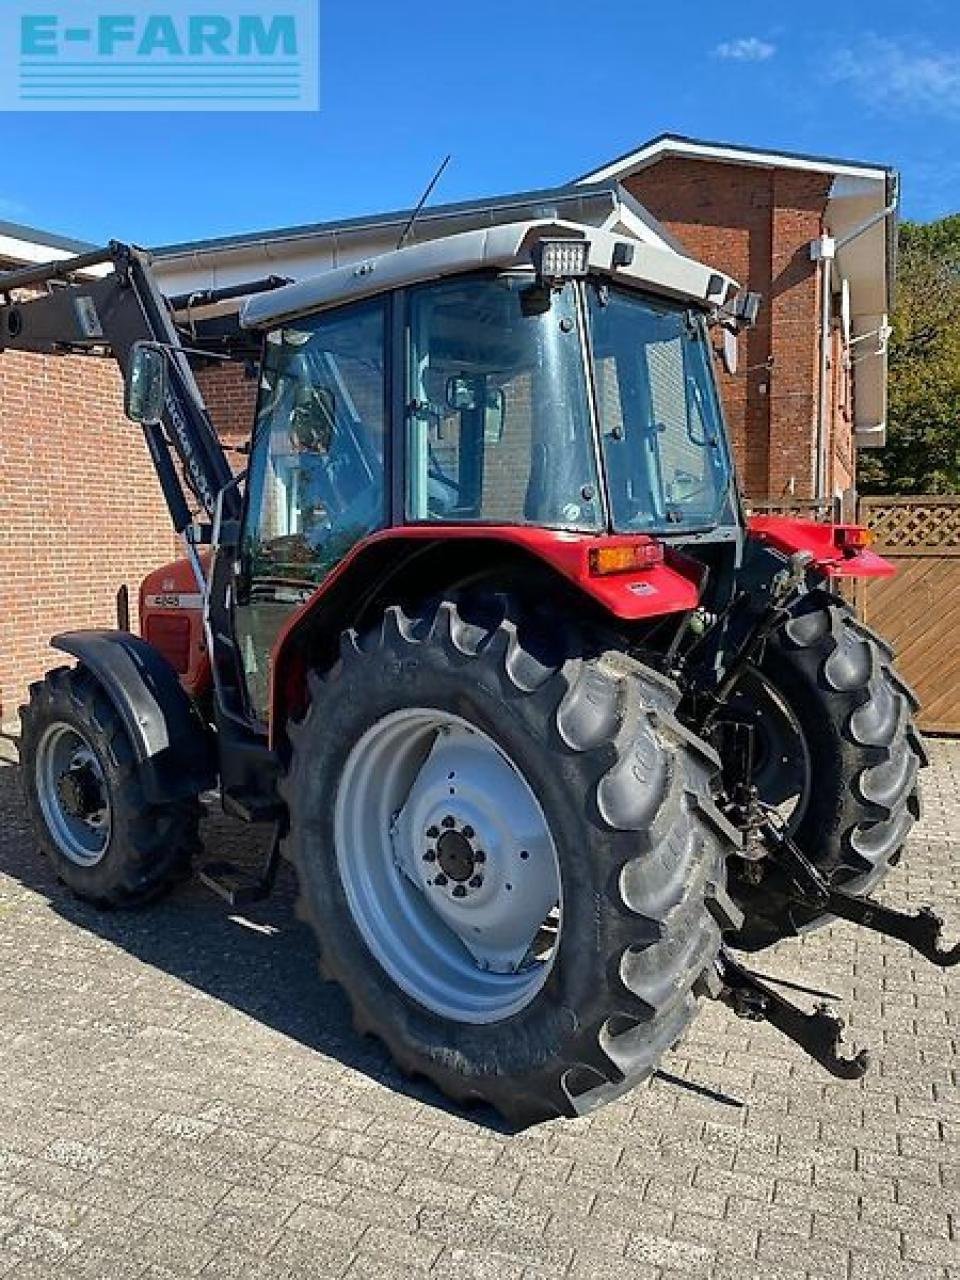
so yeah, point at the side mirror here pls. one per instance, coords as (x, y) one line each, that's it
(730, 350)
(146, 388)
(494, 416)
(461, 392)
(470, 394)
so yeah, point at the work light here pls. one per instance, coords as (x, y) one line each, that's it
(561, 259)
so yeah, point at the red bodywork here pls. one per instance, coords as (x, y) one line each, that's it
(171, 619)
(171, 614)
(631, 596)
(838, 550)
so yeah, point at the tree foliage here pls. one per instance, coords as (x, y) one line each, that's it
(922, 454)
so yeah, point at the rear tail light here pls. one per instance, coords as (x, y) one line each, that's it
(852, 537)
(624, 557)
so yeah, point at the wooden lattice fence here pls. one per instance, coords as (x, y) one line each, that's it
(918, 611)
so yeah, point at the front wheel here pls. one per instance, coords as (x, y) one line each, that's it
(511, 858)
(107, 842)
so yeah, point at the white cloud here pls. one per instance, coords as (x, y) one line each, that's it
(893, 76)
(745, 49)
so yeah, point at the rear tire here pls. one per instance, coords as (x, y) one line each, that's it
(625, 793)
(89, 814)
(854, 724)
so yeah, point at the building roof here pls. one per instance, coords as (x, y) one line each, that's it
(302, 251)
(445, 214)
(13, 234)
(676, 144)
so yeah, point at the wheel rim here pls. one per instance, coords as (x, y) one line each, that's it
(73, 794)
(782, 769)
(448, 865)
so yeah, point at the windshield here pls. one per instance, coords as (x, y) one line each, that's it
(661, 429)
(499, 425)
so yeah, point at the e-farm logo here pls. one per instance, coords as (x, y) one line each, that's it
(180, 55)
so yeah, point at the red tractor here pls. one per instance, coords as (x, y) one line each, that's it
(543, 722)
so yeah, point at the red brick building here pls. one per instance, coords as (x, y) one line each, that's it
(82, 512)
(817, 238)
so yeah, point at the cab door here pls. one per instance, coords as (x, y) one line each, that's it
(317, 482)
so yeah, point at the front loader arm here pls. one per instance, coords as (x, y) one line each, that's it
(64, 314)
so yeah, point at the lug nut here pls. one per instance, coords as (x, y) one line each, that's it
(430, 855)
(479, 856)
(441, 880)
(468, 833)
(432, 833)
(449, 821)
(459, 891)
(476, 882)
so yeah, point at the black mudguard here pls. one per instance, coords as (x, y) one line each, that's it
(174, 746)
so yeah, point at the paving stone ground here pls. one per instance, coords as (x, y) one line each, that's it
(181, 1096)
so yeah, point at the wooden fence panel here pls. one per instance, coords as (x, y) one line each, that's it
(918, 611)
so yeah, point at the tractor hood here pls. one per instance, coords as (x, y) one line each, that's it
(631, 262)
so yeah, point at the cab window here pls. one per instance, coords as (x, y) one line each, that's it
(317, 469)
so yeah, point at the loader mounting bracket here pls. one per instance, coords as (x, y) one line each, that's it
(921, 930)
(818, 1033)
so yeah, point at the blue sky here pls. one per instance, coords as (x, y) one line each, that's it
(524, 95)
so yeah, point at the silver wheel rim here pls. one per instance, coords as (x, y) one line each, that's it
(782, 771)
(448, 865)
(73, 795)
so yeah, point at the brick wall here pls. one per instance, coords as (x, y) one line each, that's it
(80, 509)
(757, 224)
(231, 398)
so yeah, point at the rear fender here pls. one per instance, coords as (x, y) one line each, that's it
(833, 546)
(654, 591)
(172, 745)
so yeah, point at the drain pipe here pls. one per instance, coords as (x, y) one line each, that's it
(823, 252)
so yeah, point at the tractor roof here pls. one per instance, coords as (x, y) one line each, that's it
(511, 245)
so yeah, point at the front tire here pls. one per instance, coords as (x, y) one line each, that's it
(89, 814)
(835, 722)
(627, 826)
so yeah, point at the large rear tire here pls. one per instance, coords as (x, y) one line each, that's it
(90, 816)
(433, 739)
(839, 755)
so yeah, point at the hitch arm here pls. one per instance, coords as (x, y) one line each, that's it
(818, 1034)
(922, 930)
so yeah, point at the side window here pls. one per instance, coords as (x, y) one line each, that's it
(499, 423)
(317, 481)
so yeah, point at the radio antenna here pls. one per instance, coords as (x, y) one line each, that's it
(421, 202)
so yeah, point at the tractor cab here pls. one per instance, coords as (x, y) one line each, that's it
(534, 377)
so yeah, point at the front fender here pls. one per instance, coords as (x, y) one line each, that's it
(172, 745)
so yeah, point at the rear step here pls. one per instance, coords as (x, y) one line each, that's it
(251, 806)
(237, 885)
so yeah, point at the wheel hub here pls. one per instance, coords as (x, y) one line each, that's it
(80, 792)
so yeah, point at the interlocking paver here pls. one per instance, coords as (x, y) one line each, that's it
(182, 1096)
